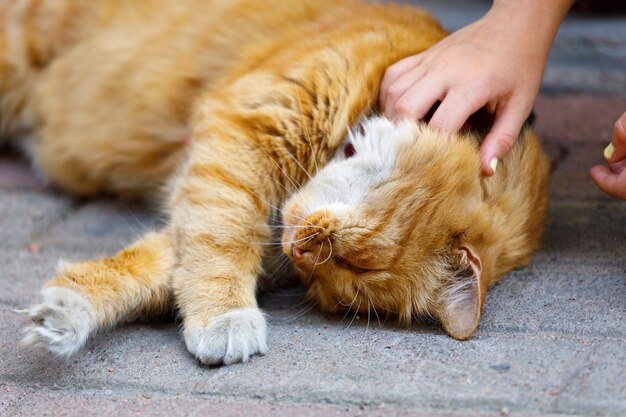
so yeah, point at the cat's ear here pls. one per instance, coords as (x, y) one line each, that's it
(460, 301)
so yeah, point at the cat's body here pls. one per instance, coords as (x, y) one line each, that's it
(225, 108)
(140, 68)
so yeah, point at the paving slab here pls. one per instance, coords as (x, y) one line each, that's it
(23, 402)
(570, 175)
(26, 216)
(102, 225)
(585, 232)
(332, 364)
(23, 271)
(572, 120)
(559, 299)
(599, 379)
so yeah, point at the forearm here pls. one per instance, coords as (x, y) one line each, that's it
(538, 20)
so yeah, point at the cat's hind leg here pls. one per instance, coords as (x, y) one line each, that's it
(90, 296)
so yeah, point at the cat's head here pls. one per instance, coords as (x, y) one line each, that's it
(389, 227)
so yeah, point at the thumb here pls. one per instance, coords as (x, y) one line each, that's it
(607, 181)
(501, 138)
(616, 151)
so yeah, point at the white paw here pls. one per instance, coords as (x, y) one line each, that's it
(61, 323)
(230, 338)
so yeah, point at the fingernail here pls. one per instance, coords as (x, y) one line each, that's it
(493, 164)
(609, 151)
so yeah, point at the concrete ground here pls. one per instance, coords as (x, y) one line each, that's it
(551, 340)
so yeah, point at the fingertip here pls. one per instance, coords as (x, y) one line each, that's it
(609, 152)
(405, 108)
(485, 157)
(387, 110)
(616, 150)
(493, 164)
(494, 149)
(605, 180)
(486, 168)
(443, 125)
(488, 163)
(505, 131)
(600, 175)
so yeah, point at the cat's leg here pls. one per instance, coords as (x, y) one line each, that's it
(220, 215)
(89, 296)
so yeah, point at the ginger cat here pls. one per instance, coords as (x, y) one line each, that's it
(238, 113)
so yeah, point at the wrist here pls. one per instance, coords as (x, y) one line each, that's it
(538, 19)
(552, 11)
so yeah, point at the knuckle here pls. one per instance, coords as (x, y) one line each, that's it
(403, 108)
(392, 72)
(395, 91)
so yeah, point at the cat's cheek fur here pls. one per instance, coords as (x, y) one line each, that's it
(230, 338)
(61, 323)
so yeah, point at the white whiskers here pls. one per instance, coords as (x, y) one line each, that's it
(356, 312)
(349, 306)
(306, 131)
(330, 254)
(308, 306)
(304, 239)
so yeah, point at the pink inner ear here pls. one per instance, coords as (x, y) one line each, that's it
(473, 259)
(349, 150)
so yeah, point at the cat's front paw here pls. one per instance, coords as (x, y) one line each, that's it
(229, 338)
(61, 323)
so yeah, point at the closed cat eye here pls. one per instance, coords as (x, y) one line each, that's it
(342, 262)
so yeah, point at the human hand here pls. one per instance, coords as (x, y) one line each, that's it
(612, 180)
(496, 62)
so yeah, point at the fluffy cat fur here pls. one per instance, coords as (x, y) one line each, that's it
(225, 109)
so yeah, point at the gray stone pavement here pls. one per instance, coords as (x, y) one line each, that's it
(551, 340)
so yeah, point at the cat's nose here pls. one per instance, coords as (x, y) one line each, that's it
(302, 258)
(312, 240)
(298, 253)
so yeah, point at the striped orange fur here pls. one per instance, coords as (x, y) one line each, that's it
(223, 110)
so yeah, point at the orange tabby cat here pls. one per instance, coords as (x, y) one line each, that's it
(227, 108)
